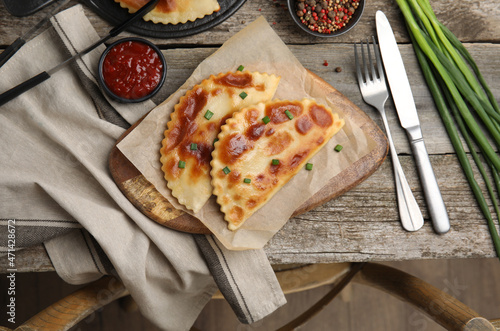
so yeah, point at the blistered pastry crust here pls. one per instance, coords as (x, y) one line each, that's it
(247, 146)
(221, 95)
(187, 10)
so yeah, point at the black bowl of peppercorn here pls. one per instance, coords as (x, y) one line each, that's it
(326, 18)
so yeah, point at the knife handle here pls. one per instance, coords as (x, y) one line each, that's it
(23, 87)
(11, 50)
(435, 203)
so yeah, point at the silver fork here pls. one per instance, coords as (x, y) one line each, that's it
(374, 91)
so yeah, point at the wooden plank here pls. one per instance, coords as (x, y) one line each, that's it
(471, 21)
(33, 259)
(363, 224)
(181, 62)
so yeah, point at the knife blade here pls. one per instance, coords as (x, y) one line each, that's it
(407, 113)
(43, 76)
(19, 42)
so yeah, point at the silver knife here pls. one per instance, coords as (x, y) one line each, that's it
(407, 112)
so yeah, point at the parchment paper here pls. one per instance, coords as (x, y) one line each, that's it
(258, 48)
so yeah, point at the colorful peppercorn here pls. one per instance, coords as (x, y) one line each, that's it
(325, 16)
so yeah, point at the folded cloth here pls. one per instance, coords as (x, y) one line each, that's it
(55, 141)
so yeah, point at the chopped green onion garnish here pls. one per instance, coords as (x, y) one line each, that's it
(215, 140)
(194, 146)
(208, 114)
(243, 95)
(182, 164)
(338, 148)
(247, 180)
(266, 119)
(309, 166)
(288, 114)
(226, 170)
(240, 68)
(275, 162)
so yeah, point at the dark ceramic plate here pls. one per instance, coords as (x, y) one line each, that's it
(22, 8)
(113, 13)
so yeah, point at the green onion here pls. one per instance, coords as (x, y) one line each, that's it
(182, 164)
(240, 68)
(226, 170)
(266, 119)
(309, 166)
(338, 148)
(243, 95)
(288, 114)
(194, 146)
(215, 140)
(247, 180)
(275, 162)
(208, 115)
(463, 99)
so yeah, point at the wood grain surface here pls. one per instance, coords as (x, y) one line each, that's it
(362, 224)
(470, 20)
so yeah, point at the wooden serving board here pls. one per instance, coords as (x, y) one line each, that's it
(149, 201)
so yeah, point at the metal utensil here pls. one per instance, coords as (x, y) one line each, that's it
(374, 91)
(19, 42)
(407, 112)
(43, 76)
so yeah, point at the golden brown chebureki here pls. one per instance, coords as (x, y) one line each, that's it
(253, 159)
(194, 125)
(173, 11)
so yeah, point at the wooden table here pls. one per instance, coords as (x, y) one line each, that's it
(363, 224)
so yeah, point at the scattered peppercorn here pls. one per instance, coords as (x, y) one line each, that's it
(325, 63)
(325, 16)
(338, 69)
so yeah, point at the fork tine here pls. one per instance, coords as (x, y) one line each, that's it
(378, 60)
(372, 67)
(358, 67)
(365, 68)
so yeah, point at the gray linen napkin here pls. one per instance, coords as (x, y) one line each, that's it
(54, 181)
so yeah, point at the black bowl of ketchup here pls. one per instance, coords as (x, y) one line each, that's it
(132, 70)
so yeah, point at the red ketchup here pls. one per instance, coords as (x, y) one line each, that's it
(132, 69)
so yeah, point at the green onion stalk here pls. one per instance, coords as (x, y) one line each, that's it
(467, 107)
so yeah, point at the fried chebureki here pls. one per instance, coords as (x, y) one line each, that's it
(173, 11)
(194, 125)
(261, 148)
